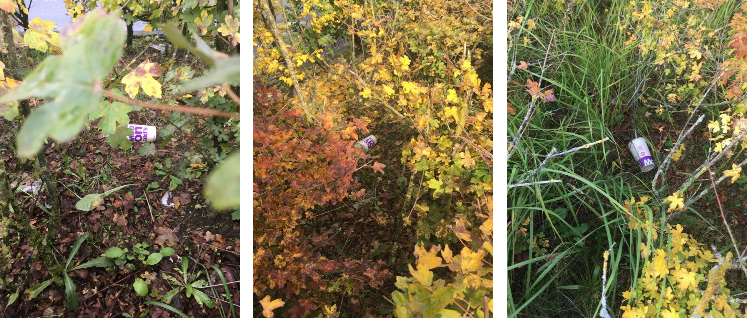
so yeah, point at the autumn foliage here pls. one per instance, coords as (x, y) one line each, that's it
(299, 166)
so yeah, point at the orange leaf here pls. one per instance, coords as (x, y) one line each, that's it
(511, 110)
(378, 167)
(523, 65)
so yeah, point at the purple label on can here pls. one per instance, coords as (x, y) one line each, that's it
(645, 161)
(139, 133)
(369, 142)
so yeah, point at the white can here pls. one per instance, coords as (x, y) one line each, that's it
(366, 143)
(142, 133)
(640, 152)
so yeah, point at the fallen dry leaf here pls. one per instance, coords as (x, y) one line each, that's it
(165, 235)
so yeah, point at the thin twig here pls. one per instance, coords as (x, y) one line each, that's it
(577, 148)
(184, 109)
(708, 163)
(706, 190)
(680, 139)
(728, 228)
(530, 112)
(231, 94)
(218, 285)
(511, 186)
(541, 166)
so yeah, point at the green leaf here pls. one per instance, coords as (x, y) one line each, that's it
(12, 298)
(141, 288)
(167, 251)
(175, 182)
(434, 184)
(399, 298)
(102, 261)
(190, 289)
(71, 295)
(36, 290)
(154, 258)
(72, 81)
(9, 111)
(225, 286)
(112, 114)
(448, 313)
(147, 149)
(202, 298)
(89, 202)
(167, 307)
(114, 252)
(225, 72)
(74, 251)
(174, 34)
(235, 215)
(222, 187)
(170, 295)
(402, 312)
(119, 138)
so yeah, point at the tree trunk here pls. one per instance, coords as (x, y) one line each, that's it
(219, 44)
(130, 33)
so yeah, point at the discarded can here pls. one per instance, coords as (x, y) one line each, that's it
(640, 152)
(366, 143)
(142, 133)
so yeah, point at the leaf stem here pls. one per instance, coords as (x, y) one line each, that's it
(184, 109)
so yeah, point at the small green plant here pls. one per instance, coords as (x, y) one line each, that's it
(71, 294)
(162, 171)
(116, 256)
(188, 282)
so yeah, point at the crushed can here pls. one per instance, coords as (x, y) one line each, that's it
(640, 152)
(366, 143)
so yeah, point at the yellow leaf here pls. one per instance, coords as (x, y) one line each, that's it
(466, 65)
(151, 87)
(366, 93)
(488, 247)
(447, 254)
(678, 154)
(721, 145)
(676, 202)
(452, 97)
(686, 279)
(148, 28)
(452, 111)
(713, 126)
(433, 183)
(268, 306)
(429, 260)
(142, 77)
(670, 313)
(457, 73)
(423, 275)
(388, 90)
(405, 62)
(487, 226)
(695, 54)
(531, 25)
(410, 87)
(734, 173)
(660, 264)
(40, 34)
(471, 261)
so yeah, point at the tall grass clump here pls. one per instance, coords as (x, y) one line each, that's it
(586, 77)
